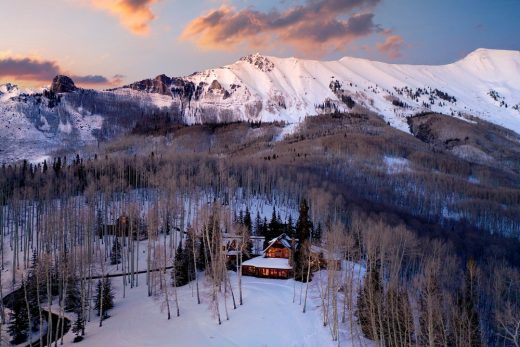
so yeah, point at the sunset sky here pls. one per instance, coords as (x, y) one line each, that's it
(102, 43)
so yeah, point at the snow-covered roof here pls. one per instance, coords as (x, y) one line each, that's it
(284, 239)
(269, 263)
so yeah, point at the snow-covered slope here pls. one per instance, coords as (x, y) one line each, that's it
(267, 318)
(485, 84)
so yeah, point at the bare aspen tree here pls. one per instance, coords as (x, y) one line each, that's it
(101, 290)
(307, 253)
(243, 248)
(176, 293)
(213, 241)
(506, 292)
(333, 252)
(348, 246)
(432, 331)
(153, 227)
(24, 285)
(162, 278)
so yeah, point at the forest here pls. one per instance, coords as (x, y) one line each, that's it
(427, 256)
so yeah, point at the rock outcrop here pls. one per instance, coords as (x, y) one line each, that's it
(62, 84)
(160, 84)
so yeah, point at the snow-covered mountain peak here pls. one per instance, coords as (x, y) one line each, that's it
(498, 65)
(7, 91)
(261, 62)
(494, 54)
(8, 88)
(259, 87)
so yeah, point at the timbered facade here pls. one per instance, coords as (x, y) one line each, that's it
(275, 263)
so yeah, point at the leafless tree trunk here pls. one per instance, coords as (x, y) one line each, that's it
(28, 309)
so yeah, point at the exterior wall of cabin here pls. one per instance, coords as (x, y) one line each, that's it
(277, 251)
(274, 273)
(249, 270)
(266, 272)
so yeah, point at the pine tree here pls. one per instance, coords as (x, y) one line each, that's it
(188, 256)
(303, 232)
(73, 295)
(19, 326)
(201, 253)
(180, 267)
(108, 301)
(248, 223)
(274, 225)
(99, 223)
(258, 224)
(240, 217)
(74, 303)
(97, 299)
(317, 232)
(78, 327)
(104, 293)
(304, 224)
(32, 293)
(115, 253)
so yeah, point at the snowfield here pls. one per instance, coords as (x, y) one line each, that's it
(267, 318)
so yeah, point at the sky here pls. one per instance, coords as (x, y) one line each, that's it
(106, 43)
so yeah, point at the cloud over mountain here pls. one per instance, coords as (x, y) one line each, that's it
(134, 15)
(392, 46)
(313, 28)
(41, 71)
(28, 69)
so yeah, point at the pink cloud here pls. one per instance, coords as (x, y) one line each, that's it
(392, 46)
(35, 71)
(134, 15)
(314, 28)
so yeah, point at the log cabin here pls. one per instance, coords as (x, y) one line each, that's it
(276, 259)
(275, 262)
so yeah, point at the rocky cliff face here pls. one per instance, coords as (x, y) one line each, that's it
(62, 84)
(160, 85)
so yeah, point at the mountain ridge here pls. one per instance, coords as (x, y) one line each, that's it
(484, 84)
(421, 76)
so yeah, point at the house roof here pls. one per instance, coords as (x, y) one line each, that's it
(268, 263)
(284, 239)
(326, 254)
